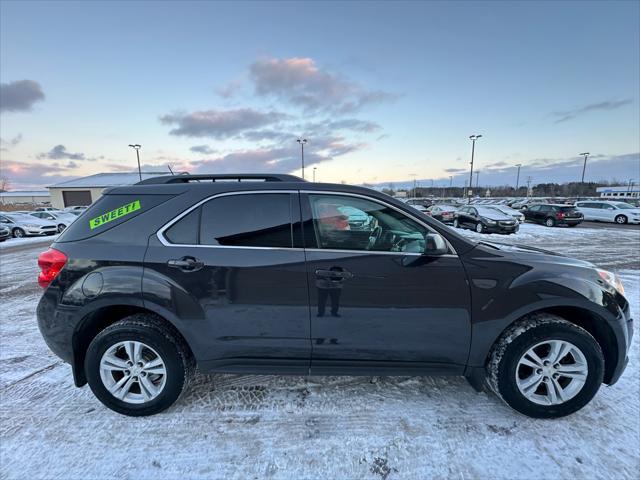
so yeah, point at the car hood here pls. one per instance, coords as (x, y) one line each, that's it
(534, 253)
(496, 216)
(34, 221)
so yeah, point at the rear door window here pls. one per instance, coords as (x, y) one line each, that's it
(248, 220)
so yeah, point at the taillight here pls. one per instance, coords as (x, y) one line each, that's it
(50, 263)
(560, 216)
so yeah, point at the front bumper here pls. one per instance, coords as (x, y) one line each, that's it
(40, 230)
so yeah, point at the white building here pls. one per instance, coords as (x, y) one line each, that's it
(86, 190)
(619, 193)
(17, 197)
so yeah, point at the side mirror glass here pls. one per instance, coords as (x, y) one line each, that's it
(434, 244)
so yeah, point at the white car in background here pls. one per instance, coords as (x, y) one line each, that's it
(76, 209)
(607, 211)
(22, 225)
(61, 219)
(519, 216)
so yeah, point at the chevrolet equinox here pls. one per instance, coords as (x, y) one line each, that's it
(271, 274)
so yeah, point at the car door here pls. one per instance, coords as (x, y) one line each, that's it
(376, 300)
(229, 270)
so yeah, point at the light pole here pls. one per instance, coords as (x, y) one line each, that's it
(314, 174)
(584, 168)
(450, 184)
(518, 178)
(473, 139)
(302, 141)
(137, 149)
(477, 179)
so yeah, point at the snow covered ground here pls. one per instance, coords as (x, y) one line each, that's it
(296, 427)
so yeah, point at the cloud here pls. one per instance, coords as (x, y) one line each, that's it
(60, 152)
(454, 170)
(277, 158)
(219, 124)
(355, 125)
(205, 149)
(563, 116)
(21, 174)
(300, 82)
(6, 145)
(19, 96)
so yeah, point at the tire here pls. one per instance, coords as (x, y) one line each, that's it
(504, 366)
(550, 222)
(621, 219)
(19, 233)
(479, 227)
(61, 227)
(456, 224)
(158, 342)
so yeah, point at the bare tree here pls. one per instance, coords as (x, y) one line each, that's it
(4, 184)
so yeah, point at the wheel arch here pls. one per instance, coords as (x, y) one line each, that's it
(592, 322)
(99, 319)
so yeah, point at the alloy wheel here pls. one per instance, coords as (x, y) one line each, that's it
(551, 372)
(133, 372)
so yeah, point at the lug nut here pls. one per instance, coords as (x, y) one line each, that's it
(129, 363)
(143, 374)
(140, 364)
(539, 371)
(127, 372)
(555, 375)
(135, 379)
(546, 363)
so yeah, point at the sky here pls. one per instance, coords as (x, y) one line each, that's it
(383, 91)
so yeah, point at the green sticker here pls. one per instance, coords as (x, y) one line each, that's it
(114, 214)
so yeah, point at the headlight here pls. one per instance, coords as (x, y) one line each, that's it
(490, 222)
(612, 280)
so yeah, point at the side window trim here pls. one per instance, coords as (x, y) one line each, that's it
(161, 237)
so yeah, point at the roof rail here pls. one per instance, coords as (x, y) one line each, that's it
(227, 177)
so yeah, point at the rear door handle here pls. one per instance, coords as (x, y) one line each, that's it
(187, 264)
(344, 274)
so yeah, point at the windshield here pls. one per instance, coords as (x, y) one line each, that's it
(624, 206)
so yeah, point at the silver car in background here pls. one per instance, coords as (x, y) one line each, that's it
(61, 219)
(23, 225)
(604, 211)
(519, 216)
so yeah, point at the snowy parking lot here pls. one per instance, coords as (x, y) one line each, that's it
(298, 427)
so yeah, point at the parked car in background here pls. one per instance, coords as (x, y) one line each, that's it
(606, 211)
(45, 209)
(484, 220)
(442, 213)
(527, 203)
(62, 219)
(424, 202)
(419, 207)
(553, 215)
(22, 225)
(4, 233)
(519, 216)
(76, 209)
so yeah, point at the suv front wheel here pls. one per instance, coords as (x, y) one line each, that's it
(546, 367)
(137, 366)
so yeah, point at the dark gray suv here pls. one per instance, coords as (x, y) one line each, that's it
(271, 274)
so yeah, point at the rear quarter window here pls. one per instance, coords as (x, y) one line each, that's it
(108, 212)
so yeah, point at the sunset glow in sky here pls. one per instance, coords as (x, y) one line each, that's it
(382, 91)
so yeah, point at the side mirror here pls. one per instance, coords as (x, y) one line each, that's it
(435, 244)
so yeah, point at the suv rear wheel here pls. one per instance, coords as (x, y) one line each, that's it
(546, 367)
(137, 366)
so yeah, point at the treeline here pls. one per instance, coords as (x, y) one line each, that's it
(572, 189)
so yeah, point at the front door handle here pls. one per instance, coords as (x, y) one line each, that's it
(187, 264)
(342, 274)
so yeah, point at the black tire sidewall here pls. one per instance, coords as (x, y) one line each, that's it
(507, 370)
(553, 222)
(176, 376)
(15, 230)
(620, 216)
